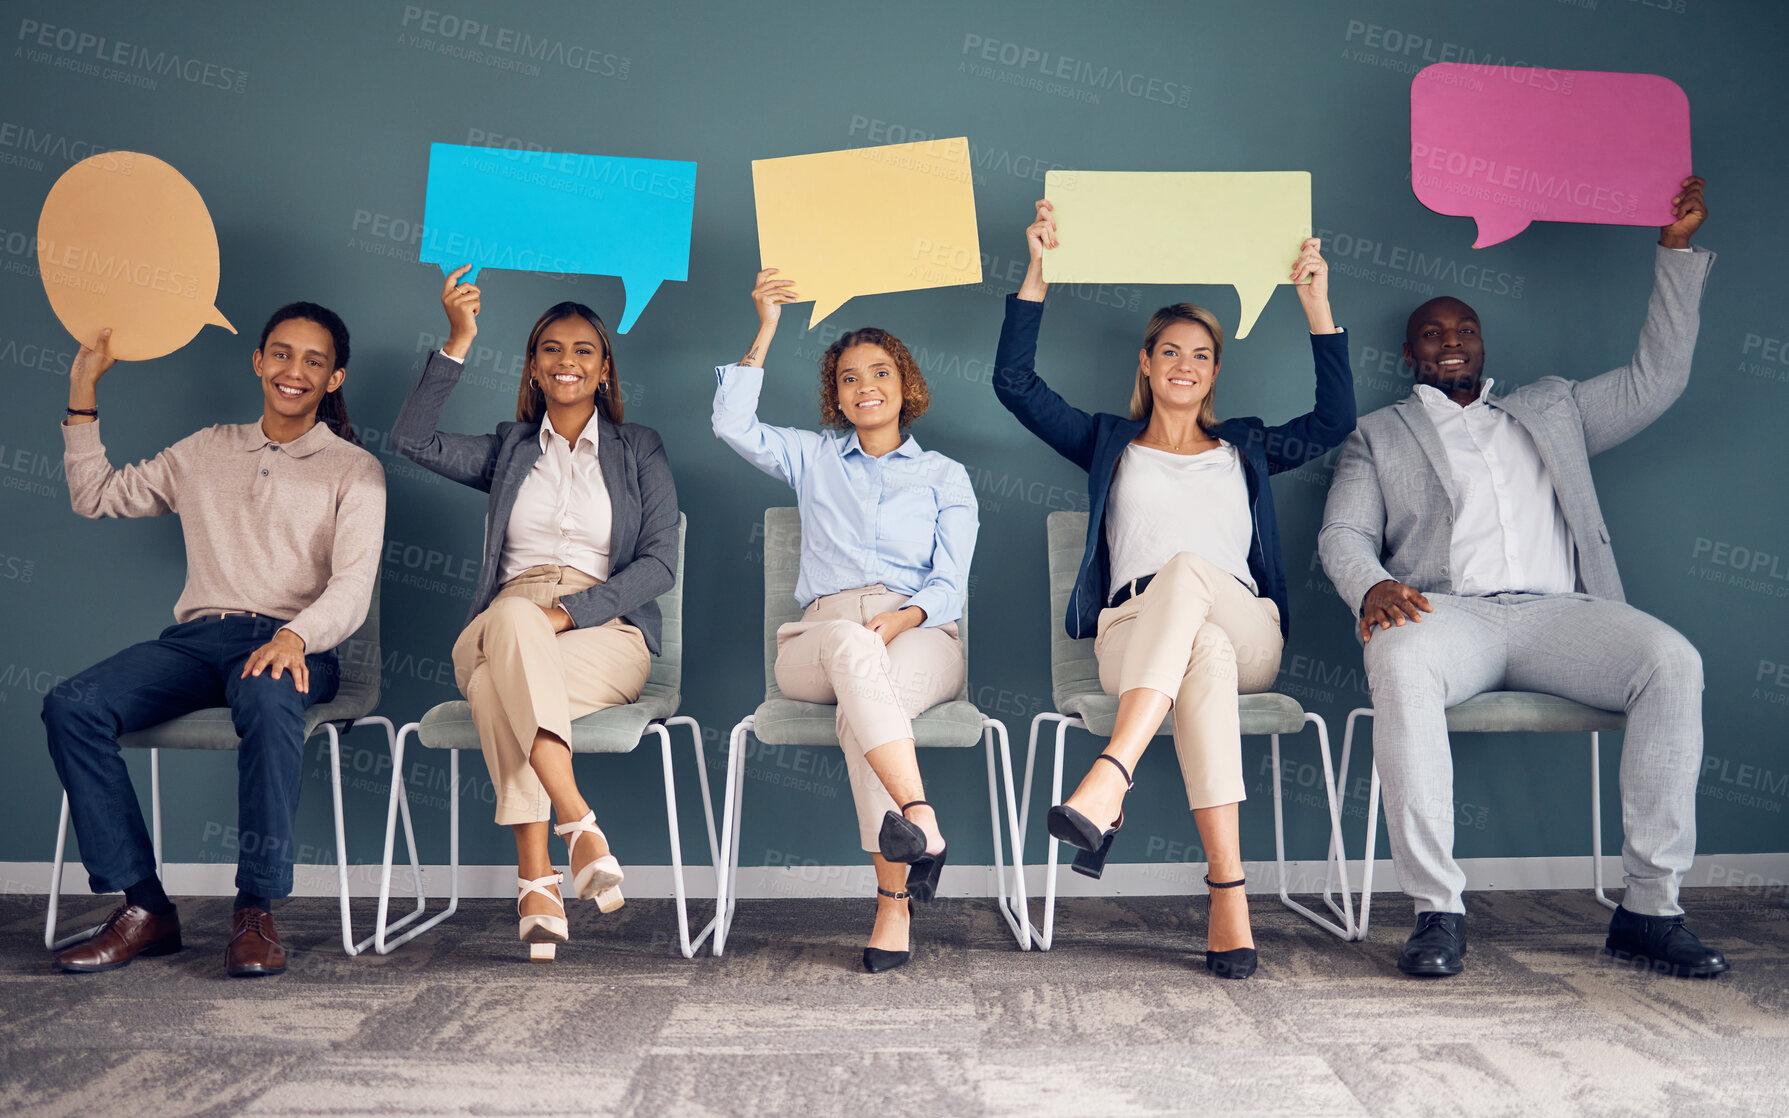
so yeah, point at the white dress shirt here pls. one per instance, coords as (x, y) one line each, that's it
(1509, 531)
(562, 514)
(1164, 503)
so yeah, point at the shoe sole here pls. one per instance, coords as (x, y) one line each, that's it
(1062, 827)
(254, 972)
(147, 952)
(597, 878)
(1432, 972)
(1659, 966)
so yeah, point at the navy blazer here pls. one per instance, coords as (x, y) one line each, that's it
(642, 497)
(1096, 442)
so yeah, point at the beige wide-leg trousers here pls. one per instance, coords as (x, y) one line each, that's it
(1198, 636)
(829, 657)
(520, 678)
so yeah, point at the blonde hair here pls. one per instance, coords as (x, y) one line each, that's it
(1142, 400)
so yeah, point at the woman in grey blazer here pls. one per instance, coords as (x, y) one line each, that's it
(581, 539)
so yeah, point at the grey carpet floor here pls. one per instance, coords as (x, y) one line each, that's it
(1119, 1019)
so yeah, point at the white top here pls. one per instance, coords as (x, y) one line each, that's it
(1163, 503)
(562, 514)
(1509, 531)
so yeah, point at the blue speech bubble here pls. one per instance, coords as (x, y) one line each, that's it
(549, 211)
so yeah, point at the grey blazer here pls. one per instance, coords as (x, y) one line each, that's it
(1391, 503)
(642, 495)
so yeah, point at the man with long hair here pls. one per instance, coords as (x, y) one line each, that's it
(283, 520)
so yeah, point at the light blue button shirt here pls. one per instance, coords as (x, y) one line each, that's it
(907, 520)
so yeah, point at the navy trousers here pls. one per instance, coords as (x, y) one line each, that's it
(189, 667)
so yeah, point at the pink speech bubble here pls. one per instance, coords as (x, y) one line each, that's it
(1507, 145)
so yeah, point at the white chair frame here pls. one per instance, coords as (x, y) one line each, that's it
(1009, 892)
(349, 946)
(1366, 880)
(1342, 928)
(400, 801)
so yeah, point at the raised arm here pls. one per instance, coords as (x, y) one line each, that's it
(1292, 444)
(654, 567)
(780, 452)
(467, 459)
(1067, 430)
(95, 489)
(1622, 402)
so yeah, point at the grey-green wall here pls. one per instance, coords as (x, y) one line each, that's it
(314, 165)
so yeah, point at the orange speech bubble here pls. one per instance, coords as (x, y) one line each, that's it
(125, 242)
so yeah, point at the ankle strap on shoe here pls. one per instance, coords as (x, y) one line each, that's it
(914, 803)
(1119, 765)
(892, 896)
(1225, 884)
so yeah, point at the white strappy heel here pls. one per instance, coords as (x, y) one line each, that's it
(599, 880)
(542, 933)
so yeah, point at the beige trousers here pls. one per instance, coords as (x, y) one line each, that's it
(1199, 637)
(521, 678)
(830, 657)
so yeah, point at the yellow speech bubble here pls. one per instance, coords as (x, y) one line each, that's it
(1241, 228)
(125, 242)
(869, 220)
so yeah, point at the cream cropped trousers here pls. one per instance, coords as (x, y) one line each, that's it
(830, 657)
(520, 678)
(1198, 636)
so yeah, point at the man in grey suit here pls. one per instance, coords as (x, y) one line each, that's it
(1464, 531)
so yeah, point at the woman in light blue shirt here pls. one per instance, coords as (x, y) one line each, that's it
(887, 532)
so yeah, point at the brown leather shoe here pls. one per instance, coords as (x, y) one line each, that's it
(130, 931)
(254, 948)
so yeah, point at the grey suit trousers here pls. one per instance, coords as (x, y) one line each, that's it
(1598, 652)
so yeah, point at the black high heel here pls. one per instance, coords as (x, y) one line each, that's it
(875, 959)
(1238, 962)
(903, 841)
(1065, 823)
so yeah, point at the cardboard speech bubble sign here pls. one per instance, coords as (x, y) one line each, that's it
(549, 211)
(1241, 228)
(869, 221)
(1510, 145)
(125, 242)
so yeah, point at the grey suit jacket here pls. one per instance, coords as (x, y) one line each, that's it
(642, 497)
(1391, 503)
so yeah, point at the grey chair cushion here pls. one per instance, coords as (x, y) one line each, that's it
(1074, 670)
(955, 724)
(1530, 712)
(1266, 713)
(356, 696)
(615, 730)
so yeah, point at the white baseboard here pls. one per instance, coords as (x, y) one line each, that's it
(1755, 872)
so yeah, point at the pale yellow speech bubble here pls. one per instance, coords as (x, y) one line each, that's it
(1241, 228)
(125, 242)
(869, 221)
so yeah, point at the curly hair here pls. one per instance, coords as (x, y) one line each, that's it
(915, 396)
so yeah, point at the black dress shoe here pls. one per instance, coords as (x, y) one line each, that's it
(1238, 962)
(1437, 947)
(1663, 944)
(902, 841)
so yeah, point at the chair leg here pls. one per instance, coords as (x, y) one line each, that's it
(349, 947)
(1013, 910)
(1596, 821)
(726, 890)
(1048, 934)
(155, 808)
(400, 800)
(677, 885)
(49, 928)
(1366, 875)
(1345, 929)
(1335, 844)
